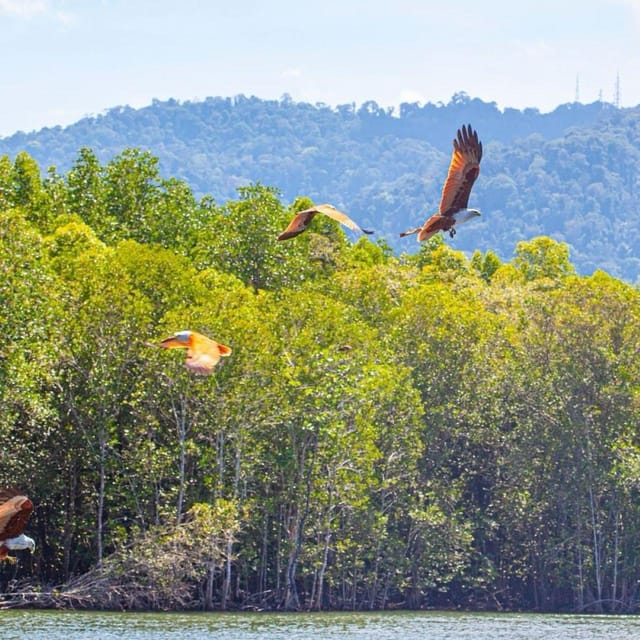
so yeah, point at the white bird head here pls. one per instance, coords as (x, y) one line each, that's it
(21, 542)
(464, 215)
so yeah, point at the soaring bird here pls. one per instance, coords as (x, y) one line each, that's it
(302, 220)
(203, 353)
(15, 509)
(463, 171)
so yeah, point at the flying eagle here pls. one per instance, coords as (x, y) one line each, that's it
(15, 509)
(203, 353)
(302, 220)
(463, 171)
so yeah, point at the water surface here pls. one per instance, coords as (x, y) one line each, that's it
(72, 625)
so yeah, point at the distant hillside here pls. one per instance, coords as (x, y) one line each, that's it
(571, 174)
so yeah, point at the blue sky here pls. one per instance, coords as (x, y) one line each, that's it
(64, 59)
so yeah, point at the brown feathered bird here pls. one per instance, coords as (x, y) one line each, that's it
(463, 171)
(203, 353)
(302, 220)
(15, 509)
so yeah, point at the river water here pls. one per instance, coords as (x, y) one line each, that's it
(72, 625)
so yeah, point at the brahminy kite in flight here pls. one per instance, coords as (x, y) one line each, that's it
(15, 509)
(302, 220)
(203, 353)
(463, 171)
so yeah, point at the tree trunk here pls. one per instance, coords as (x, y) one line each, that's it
(69, 515)
(323, 568)
(208, 596)
(264, 558)
(101, 490)
(180, 417)
(226, 585)
(596, 550)
(292, 600)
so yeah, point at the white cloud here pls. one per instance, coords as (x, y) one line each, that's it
(291, 73)
(24, 8)
(535, 50)
(28, 9)
(634, 6)
(65, 18)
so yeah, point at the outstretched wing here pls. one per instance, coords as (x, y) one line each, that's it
(15, 509)
(299, 223)
(204, 354)
(463, 171)
(302, 219)
(333, 213)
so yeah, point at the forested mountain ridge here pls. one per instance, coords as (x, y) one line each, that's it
(571, 174)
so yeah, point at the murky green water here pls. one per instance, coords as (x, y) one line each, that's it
(70, 625)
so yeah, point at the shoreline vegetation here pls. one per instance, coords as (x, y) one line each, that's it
(435, 430)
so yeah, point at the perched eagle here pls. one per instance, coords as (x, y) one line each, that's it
(15, 509)
(302, 220)
(203, 353)
(463, 171)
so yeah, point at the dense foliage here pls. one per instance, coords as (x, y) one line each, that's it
(571, 174)
(412, 431)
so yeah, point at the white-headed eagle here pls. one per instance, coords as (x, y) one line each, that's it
(463, 171)
(302, 220)
(15, 509)
(203, 353)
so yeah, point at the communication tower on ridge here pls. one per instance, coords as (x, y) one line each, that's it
(616, 93)
(577, 96)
